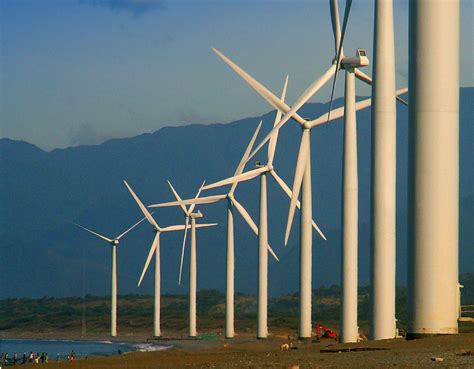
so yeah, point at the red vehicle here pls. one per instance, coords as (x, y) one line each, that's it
(324, 332)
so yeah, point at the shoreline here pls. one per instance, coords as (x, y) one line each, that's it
(278, 351)
(248, 352)
(134, 340)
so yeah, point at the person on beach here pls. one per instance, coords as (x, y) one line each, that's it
(72, 356)
(32, 356)
(24, 358)
(15, 358)
(46, 358)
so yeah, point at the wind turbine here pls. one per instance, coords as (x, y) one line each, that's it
(383, 180)
(349, 330)
(114, 242)
(262, 171)
(155, 249)
(232, 204)
(189, 214)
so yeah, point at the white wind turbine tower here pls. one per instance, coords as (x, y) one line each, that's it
(189, 214)
(155, 249)
(114, 242)
(302, 172)
(232, 204)
(433, 182)
(384, 145)
(262, 171)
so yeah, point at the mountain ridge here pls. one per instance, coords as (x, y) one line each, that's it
(42, 192)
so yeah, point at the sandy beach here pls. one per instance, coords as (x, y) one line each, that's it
(247, 352)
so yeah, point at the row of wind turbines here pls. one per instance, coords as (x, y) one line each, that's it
(383, 192)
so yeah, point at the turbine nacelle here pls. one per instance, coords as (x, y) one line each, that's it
(259, 164)
(357, 61)
(114, 242)
(196, 215)
(306, 124)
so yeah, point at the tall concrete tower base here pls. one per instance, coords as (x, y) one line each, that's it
(384, 143)
(433, 168)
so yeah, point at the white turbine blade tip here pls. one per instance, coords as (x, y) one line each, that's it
(273, 253)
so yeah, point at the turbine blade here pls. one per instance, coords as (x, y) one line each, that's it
(365, 78)
(315, 226)
(142, 207)
(361, 76)
(274, 139)
(182, 251)
(128, 230)
(243, 160)
(258, 87)
(241, 165)
(339, 52)
(347, 11)
(299, 172)
(287, 190)
(200, 200)
(239, 178)
(339, 113)
(206, 225)
(281, 183)
(185, 211)
(404, 102)
(181, 227)
(310, 91)
(336, 24)
(399, 92)
(154, 245)
(270, 250)
(191, 208)
(244, 214)
(94, 233)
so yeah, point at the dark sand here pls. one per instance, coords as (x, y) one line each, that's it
(248, 352)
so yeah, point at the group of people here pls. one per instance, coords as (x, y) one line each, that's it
(37, 358)
(31, 358)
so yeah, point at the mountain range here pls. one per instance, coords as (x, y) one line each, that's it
(43, 193)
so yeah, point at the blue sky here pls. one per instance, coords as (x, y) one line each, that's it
(82, 71)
